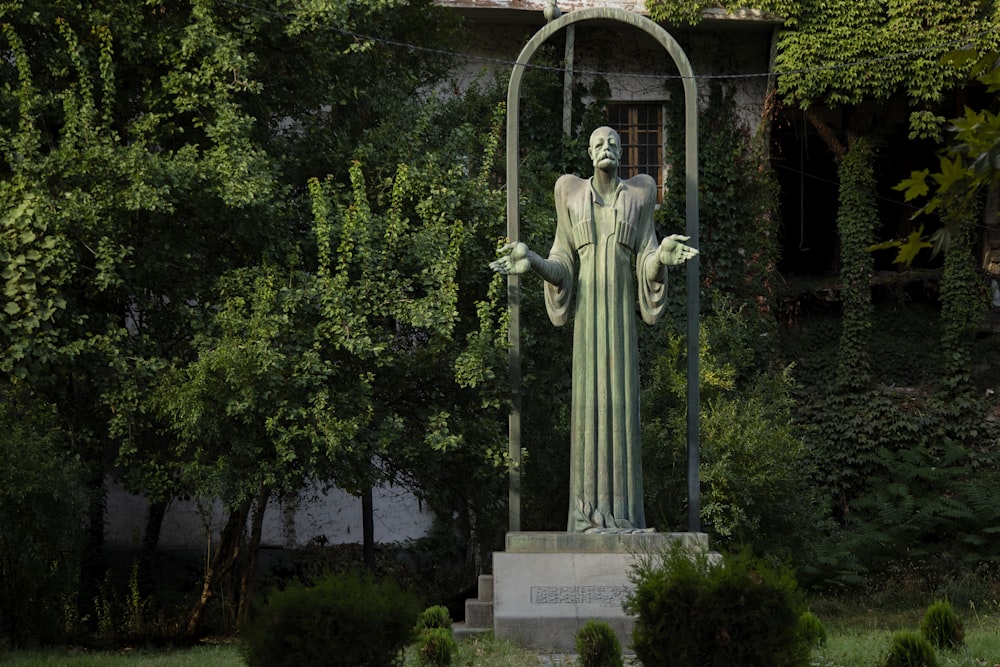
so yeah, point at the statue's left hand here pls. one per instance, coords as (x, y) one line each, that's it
(673, 251)
(514, 260)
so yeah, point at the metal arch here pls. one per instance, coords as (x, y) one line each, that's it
(691, 217)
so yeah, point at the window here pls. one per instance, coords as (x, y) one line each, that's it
(641, 130)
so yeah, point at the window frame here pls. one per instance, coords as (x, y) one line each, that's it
(642, 121)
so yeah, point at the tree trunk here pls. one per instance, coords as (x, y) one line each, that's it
(368, 527)
(827, 134)
(220, 565)
(93, 563)
(250, 562)
(150, 540)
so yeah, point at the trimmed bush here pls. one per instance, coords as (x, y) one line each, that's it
(598, 646)
(344, 620)
(911, 649)
(942, 627)
(812, 630)
(434, 617)
(692, 612)
(436, 647)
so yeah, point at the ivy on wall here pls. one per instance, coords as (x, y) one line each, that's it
(690, 12)
(856, 221)
(738, 204)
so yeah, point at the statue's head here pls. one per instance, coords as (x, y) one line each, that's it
(605, 148)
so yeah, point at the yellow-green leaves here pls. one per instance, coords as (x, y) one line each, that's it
(843, 52)
(914, 186)
(968, 166)
(33, 277)
(907, 249)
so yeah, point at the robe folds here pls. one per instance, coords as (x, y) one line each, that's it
(603, 248)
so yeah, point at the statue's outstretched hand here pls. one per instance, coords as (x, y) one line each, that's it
(514, 259)
(673, 252)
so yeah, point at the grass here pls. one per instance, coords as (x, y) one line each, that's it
(858, 636)
(217, 655)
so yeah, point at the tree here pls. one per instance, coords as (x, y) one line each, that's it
(121, 173)
(154, 160)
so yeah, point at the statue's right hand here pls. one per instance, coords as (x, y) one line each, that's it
(513, 260)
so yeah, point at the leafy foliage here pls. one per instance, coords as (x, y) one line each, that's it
(856, 219)
(156, 244)
(597, 645)
(737, 200)
(903, 485)
(41, 541)
(687, 12)
(969, 165)
(436, 616)
(844, 53)
(754, 472)
(942, 626)
(737, 611)
(910, 649)
(963, 303)
(342, 619)
(812, 630)
(436, 647)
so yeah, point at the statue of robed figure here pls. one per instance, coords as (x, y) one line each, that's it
(605, 256)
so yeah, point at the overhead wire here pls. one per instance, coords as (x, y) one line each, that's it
(949, 45)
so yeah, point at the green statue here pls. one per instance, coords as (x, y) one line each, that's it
(603, 223)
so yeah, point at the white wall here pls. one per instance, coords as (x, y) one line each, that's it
(335, 516)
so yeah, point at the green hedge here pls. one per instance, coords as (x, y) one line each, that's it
(343, 620)
(695, 612)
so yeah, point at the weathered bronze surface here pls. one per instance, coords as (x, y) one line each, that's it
(603, 223)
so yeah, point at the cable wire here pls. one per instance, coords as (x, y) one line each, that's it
(950, 45)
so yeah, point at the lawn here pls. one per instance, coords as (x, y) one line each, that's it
(859, 636)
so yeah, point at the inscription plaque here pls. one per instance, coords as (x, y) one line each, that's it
(608, 596)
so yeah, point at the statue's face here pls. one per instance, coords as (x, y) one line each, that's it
(605, 148)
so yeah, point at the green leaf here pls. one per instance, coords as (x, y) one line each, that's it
(909, 249)
(952, 171)
(914, 186)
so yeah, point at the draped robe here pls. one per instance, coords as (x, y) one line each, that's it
(595, 244)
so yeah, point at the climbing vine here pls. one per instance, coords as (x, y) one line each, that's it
(962, 307)
(692, 11)
(856, 220)
(737, 202)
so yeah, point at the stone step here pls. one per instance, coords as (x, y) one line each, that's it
(479, 614)
(462, 631)
(486, 588)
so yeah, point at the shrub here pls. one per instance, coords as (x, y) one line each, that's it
(756, 475)
(691, 611)
(434, 617)
(598, 646)
(41, 544)
(342, 620)
(911, 649)
(812, 630)
(436, 647)
(942, 627)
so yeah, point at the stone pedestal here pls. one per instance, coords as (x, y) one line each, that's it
(546, 586)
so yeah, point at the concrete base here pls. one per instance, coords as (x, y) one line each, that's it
(478, 612)
(546, 586)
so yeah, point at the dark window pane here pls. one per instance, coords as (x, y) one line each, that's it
(640, 127)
